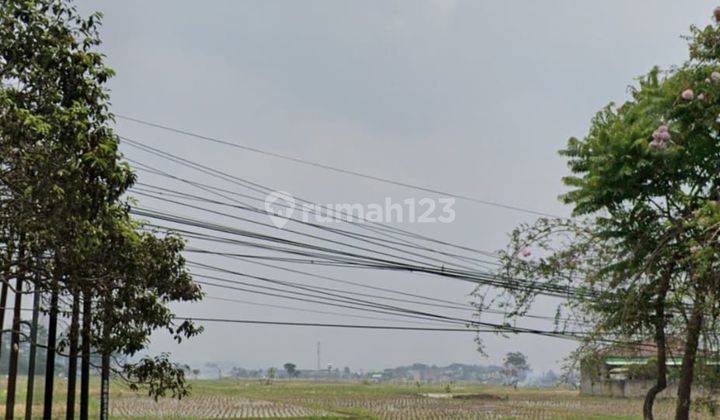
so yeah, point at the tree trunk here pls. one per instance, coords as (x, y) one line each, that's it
(15, 333)
(73, 357)
(661, 343)
(4, 289)
(3, 306)
(661, 382)
(682, 409)
(85, 367)
(105, 387)
(14, 349)
(50, 352)
(105, 368)
(33, 353)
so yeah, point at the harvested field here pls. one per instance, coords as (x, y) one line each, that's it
(225, 399)
(228, 399)
(207, 406)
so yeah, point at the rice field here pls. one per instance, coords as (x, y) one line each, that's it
(231, 399)
(296, 399)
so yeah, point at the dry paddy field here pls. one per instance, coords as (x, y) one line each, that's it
(230, 399)
(242, 399)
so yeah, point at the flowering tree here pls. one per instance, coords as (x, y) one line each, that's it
(643, 252)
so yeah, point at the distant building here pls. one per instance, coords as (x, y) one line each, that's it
(628, 371)
(455, 372)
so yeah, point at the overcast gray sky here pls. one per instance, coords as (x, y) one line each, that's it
(473, 97)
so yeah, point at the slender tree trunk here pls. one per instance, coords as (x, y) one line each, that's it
(4, 289)
(105, 387)
(661, 382)
(682, 409)
(33, 352)
(3, 306)
(85, 367)
(15, 334)
(105, 368)
(73, 357)
(51, 351)
(14, 349)
(661, 343)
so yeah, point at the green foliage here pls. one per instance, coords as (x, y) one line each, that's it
(159, 375)
(591, 364)
(515, 367)
(62, 183)
(640, 258)
(644, 371)
(291, 370)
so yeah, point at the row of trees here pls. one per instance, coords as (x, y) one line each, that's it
(65, 231)
(642, 251)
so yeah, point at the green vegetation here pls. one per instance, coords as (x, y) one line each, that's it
(65, 225)
(640, 257)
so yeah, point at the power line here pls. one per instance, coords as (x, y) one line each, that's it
(314, 311)
(559, 291)
(378, 228)
(316, 324)
(386, 327)
(378, 263)
(384, 308)
(319, 254)
(320, 300)
(336, 169)
(308, 235)
(160, 193)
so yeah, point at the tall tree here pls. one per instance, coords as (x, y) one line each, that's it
(646, 178)
(62, 180)
(290, 369)
(618, 288)
(515, 367)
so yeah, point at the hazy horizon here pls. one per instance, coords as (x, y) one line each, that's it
(471, 97)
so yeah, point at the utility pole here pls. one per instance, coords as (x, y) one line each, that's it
(318, 356)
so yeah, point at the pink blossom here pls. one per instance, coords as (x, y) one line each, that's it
(715, 76)
(688, 94)
(695, 248)
(525, 252)
(661, 136)
(701, 97)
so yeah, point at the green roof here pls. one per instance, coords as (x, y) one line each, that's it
(626, 361)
